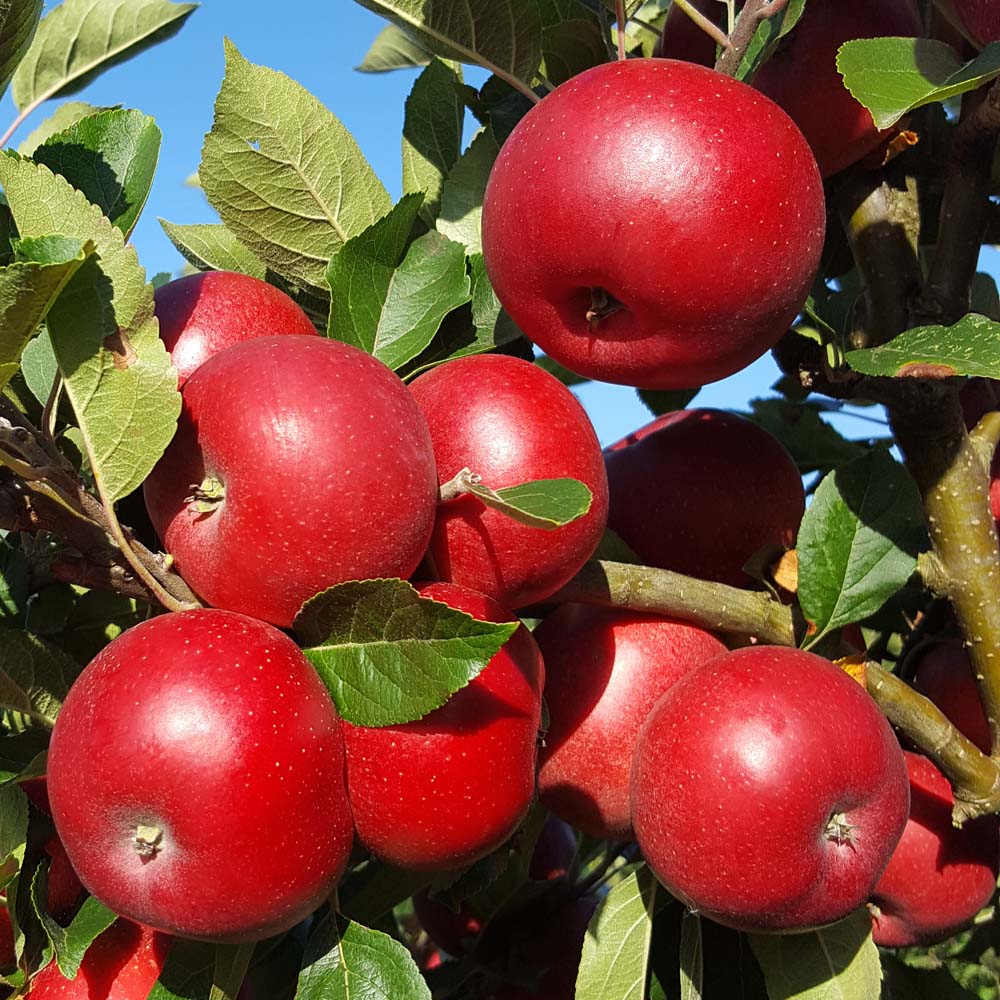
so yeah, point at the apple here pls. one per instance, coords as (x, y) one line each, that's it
(123, 963)
(768, 791)
(839, 130)
(510, 422)
(978, 20)
(315, 467)
(202, 314)
(944, 674)
(939, 876)
(622, 235)
(605, 668)
(447, 789)
(196, 748)
(717, 488)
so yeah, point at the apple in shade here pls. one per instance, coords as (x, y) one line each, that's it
(716, 487)
(839, 129)
(768, 791)
(298, 463)
(605, 669)
(447, 789)
(510, 422)
(939, 876)
(202, 314)
(194, 746)
(620, 233)
(978, 20)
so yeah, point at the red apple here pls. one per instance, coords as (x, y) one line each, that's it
(944, 674)
(605, 668)
(622, 235)
(716, 487)
(123, 963)
(978, 20)
(447, 789)
(939, 877)
(202, 314)
(193, 749)
(509, 421)
(319, 469)
(768, 791)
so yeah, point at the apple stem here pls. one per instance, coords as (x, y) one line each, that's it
(720, 37)
(602, 305)
(458, 486)
(754, 14)
(620, 14)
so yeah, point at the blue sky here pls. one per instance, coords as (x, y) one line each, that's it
(318, 43)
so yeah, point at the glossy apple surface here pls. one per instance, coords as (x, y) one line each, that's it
(611, 216)
(700, 491)
(445, 790)
(978, 20)
(202, 314)
(195, 747)
(327, 471)
(939, 877)
(768, 791)
(511, 422)
(944, 673)
(605, 669)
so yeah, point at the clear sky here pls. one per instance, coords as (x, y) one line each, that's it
(318, 43)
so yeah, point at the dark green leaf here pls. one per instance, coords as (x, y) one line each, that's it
(893, 76)
(188, 972)
(69, 944)
(767, 36)
(858, 541)
(903, 983)
(660, 401)
(65, 115)
(461, 214)
(13, 820)
(571, 47)
(375, 889)
(14, 572)
(393, 49)
(34, 675)
(212, 247)
(388, 655)
(22, 755)
(691, 960)
(542, 503)
(18, 21)
(111, 157)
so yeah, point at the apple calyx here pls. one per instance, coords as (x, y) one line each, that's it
(207, 495)
(602, 305)
(147, 841)
(839, 830)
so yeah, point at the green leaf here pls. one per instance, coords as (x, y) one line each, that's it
(345, 961)
(839, 962)
(970, 347)
(393, 49)
(390, 656)
(13, 820)
(893, 76)
(284, 174)
(22, 755)
(14, 576)
(39, 367)
(80, 39)
(660, 401)
(572, 46)
(111, 157)
(188, 972)
(691, 958)
(70, 944)
(97, 617)
(212, 247)
(65, 115)
(432, 134)
(34, 675)
(502, 36)
(18, 21)
(766, 38)
(616, 948)
(858, 541)
(29, 287)
(541, 503)
(117, 372)
(461, 215)
(564, 375)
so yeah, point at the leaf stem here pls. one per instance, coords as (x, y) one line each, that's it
(19, 120)
(705, 23)
(620, 15)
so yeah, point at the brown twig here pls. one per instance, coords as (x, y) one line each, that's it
(754, 14)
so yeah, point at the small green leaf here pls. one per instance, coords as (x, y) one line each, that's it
(34, 675)
(70, 944)
(212, 247)
(39, 367)
(839, 962)
(65, 115)
(393, 49)
(970, 347)
(284, 174)
(80, 39)
(461, 214)
(388, 655)
(616, 948)
(18, 21)
(893, 76)
(858, 541)
(541, 503)
(432, 134)
(345, 961)
(766, 38)
(111, 157)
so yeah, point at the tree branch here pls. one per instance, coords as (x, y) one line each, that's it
(755, 13)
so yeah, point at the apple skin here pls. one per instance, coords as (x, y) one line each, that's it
(739, 770)
(978, 20)
(202, 314)
(509, 421)
(328, 470)
(447, 789)
(605, 669)
(839, 130)
(630, 179)
(944, 674)
(939, 877)
(215, 729)
(717, 487)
